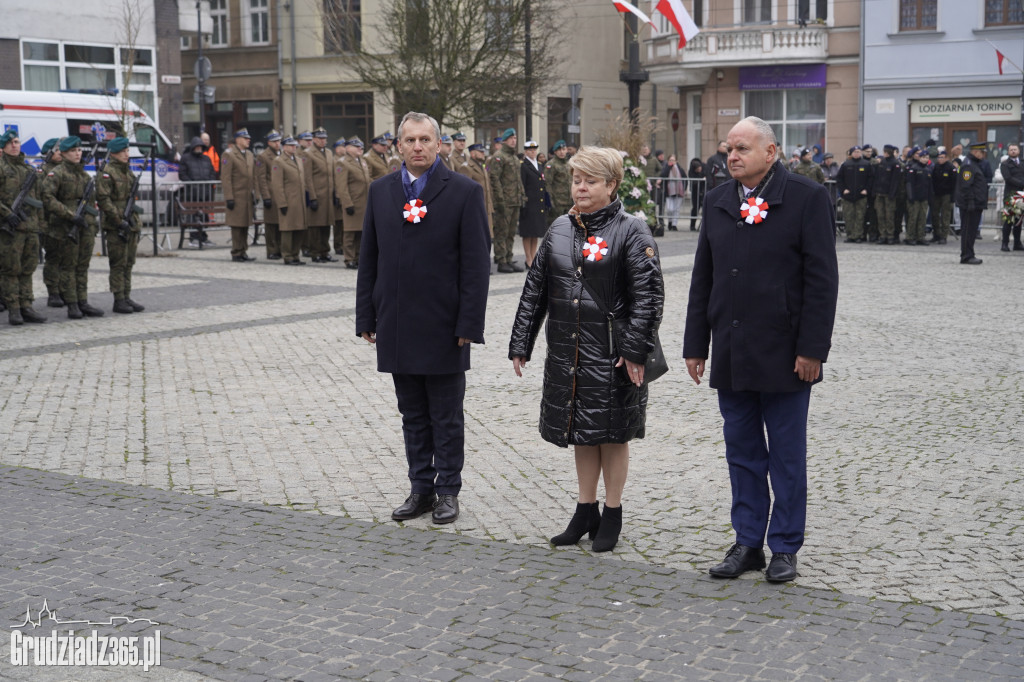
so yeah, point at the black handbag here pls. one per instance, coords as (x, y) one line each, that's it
(656, 366)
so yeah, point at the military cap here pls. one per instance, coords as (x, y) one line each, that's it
(530, 144)
(853, 149)
(889, 148)
(866, 147)
(380, 139)
(340, 142)
(805, 151)
(288, 141)
(509, 132)
(942, 150)
(459, 136)
(273, 135)
(915, 150)
(48, 145)
(497, 139)
(242, 132)
(118, 144)
(320, 132)
(558, 145)
(305, 135)
(977, 146)
(388, 136)
(11, 134)
(355, 142)
(70, 142)
(829, 155)
(476, 146)
(446, 139)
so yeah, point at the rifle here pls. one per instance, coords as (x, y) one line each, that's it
(83, 203)
(24, 196)
(129, 207)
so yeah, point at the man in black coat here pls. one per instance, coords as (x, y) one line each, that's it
(421, 296)
(195, 167)
(1012, 171)
(716, 170)
(763, 292)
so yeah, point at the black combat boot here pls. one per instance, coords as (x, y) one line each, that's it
(74, 313)
(584, 521)
(55, 301)
(14, 316)
(89, 310)
(121, 305)
(136, 307)
(30, 315)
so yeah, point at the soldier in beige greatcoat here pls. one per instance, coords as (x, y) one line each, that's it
(271, 221)
(238, 181)
(474, 168)
(320, 188)
(288, 192)
(377, 158)
(353, 185)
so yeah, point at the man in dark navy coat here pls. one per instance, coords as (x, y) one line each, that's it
(763, 295)
(421, 296)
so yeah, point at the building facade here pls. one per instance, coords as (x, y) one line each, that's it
(793, 63)
(947, 86)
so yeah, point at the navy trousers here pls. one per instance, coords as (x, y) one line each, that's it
(433, 425)
(969, 232)
(748, 416)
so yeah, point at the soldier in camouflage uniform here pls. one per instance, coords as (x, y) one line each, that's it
(559, 180)
(51, 249)
(808, 168)
(63, 190)
(508, 197)
(19, 237)
(113, 187)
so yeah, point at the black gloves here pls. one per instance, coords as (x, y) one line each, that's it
(267, 203)
(351, 210)
(283, 210)
(231, 204)
(79, 222)
(314, 205)
(14, 220)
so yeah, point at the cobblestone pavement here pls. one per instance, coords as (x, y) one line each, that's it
(245, 383)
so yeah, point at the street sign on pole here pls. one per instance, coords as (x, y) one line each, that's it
(204, 69)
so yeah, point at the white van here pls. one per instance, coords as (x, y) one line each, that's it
(39, 116)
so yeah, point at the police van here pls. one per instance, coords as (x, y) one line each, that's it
(40, 116)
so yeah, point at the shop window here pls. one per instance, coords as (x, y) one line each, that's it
(918, 15)
(1004, 13)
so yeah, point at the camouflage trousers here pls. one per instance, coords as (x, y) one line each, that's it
(19, 256)
(506, 221)
(73, 262)
(917, 213)
(883, 209)
(51, 266)
(942, 215)
(853, 216)
(122, 260)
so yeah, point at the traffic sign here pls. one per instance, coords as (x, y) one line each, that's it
(204, 69)
(675, 120)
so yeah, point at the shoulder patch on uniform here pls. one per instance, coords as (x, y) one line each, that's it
(967, 175)
(650, 252)
(49, 174)
(106, 175)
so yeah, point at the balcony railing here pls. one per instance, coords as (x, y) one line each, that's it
(749, 46)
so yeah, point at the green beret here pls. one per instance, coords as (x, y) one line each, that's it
(70, 142)
(509, 132)
(118, 144)
(48, 145)
(8, 136)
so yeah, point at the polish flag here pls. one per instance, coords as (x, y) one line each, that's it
(1000, 56)
(679, 18)
(626, 7)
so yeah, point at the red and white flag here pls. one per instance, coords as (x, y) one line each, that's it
(1000, 56)
(679, 18)
(627, 7)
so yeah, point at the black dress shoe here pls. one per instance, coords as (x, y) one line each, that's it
(970, 261)
(415, 505)
(738, 560)
(352, 266)
(242, 259)
(921, 242)
(328, 259)
(55, 301)
(30, 315)
(295, 262)
(1004, 247)
(274, 256)
(446, 510)
(782, 569)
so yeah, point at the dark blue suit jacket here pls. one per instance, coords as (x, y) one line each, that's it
(762, 294)
(423, 285)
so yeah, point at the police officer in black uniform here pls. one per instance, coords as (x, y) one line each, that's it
(972, 198)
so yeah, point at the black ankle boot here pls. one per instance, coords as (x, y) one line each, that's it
(585, 520)
(608, 532)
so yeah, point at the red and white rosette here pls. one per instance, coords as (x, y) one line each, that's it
(595, 249)
(414, 211)
(754, 210)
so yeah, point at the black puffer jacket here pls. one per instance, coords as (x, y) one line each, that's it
(586, 399)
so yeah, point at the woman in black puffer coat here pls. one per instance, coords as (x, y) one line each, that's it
(594, 397)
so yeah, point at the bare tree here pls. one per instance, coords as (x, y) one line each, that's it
(129, 26)
(451, 59)
(629, 133)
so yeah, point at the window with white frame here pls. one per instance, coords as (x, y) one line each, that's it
(812, 11)
(756, 11)
(797, 116)
(219, 17)
(61, 65)
(257, 22)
